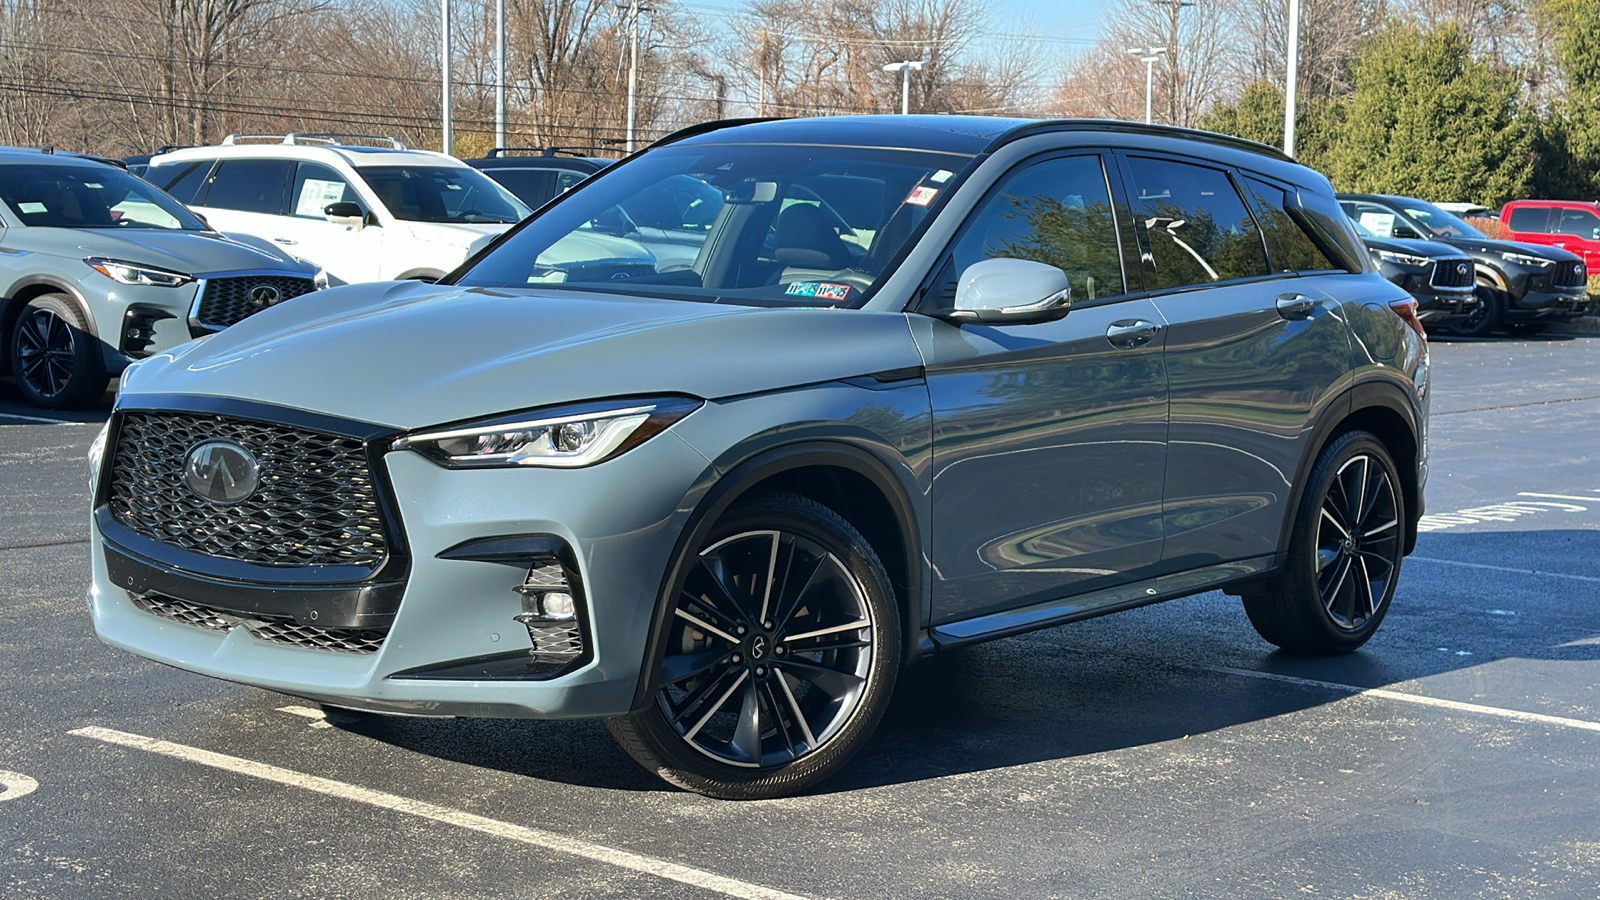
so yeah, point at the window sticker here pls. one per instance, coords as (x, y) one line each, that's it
(316, 194)
(31, 206)
(1380, 224)
(821, 290)
(941, 176)
(922, 195)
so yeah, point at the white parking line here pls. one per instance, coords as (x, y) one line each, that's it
(15, 784)
(1499, 712)
(40, 420)
(533, 836)
(1510, 569)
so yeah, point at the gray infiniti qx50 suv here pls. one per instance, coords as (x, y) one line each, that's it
(923, 382)
(98, 268)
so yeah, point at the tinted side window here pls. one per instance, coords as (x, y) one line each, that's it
(1289, 249)
(1529, 218)
(1198, 227)
(180, 179)
(316, 186)
(1056, 212)
(250, 185)
(1579, 222)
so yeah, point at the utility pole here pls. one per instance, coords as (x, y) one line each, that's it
(905, 69)
(1174, 77)
(444, 68)
(1289, 80)
(633, 66)
(499, 73)
(761, 90)
(1149, 56)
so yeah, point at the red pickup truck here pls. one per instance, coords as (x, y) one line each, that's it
(1572, 225)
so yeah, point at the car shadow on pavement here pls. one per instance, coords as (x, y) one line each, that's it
(1135, 679)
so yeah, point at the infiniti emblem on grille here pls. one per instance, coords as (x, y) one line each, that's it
(264, 295)
(1461, 268)
(221, 472)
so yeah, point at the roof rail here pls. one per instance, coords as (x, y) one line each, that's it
(581, 152)
(325, 139)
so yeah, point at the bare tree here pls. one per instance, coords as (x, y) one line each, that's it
(1196, 35)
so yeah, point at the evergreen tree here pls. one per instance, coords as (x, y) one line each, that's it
(1573, 134)
(1258, 116)
(1426, 120)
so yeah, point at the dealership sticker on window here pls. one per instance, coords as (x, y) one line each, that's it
(315, 194)
(922, 195)
(821, 290)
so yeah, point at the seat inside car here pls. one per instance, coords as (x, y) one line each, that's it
(804, 239)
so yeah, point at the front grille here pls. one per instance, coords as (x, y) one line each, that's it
(556, 641)
(227, 300)
(1570, 274)
(277, 629)
(316, 503)
(1450, 273)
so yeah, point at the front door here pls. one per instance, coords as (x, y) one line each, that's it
(1049, 440)
(349, 253)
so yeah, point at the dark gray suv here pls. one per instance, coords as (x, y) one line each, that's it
(920, 382)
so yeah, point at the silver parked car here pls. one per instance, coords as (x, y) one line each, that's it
(98, 268)
(1012, 375)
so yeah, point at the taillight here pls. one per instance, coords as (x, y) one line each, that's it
(1407, 310)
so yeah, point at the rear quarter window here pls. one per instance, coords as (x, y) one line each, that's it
(1289, 248)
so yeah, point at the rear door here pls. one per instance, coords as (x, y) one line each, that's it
(1253, 348)
(1049, 440)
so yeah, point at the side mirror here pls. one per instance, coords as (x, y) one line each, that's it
(1404, 233)
(345, 212)
(1010, 292)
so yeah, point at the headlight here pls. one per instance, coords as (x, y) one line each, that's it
(1523, 259)
(129, 273)
(566, 438)
(97, 452)
(1402, 259)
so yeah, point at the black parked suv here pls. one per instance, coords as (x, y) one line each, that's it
(1442, 278)
(1524, 286)
(537, 176)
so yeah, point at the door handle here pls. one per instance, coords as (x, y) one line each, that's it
(285, 241)
(1296, 306)
(1131, 333)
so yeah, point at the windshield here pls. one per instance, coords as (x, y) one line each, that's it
(53, 195)
(1436, 222)
(443, 194)
(766, 225)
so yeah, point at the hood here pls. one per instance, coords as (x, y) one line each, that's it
(1431, 249)
(410, 355)
(455, 234)
(191, 252)
(1490, 247)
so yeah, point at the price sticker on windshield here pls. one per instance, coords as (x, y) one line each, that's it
(922, 195)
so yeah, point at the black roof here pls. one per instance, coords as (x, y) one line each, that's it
(574, 163)
(50, 154)
(969, 135)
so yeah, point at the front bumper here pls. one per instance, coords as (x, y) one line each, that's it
(620, 520)
(1550, 306)
(1441, 307)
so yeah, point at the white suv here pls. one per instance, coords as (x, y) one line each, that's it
(363, 212)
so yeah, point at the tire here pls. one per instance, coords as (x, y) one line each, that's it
(1524, 329)
(1313, 604)
(763, 688)
(54, 358)
(1485, 320)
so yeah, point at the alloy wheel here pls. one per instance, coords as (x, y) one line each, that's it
(1358, 543)
(768, 652)
(46, 352)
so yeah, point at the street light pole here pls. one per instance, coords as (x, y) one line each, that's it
(633, 66)
(1149, 56)
(1289, 81)
(499, 73)
(905, 69)
(444, 67)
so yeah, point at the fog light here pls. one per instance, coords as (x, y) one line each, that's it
(557, 605)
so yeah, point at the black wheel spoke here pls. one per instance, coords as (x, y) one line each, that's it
(747, 736)
(835, 684)
(675, 669)
(796, 590)
(704, 692)
(722, 595)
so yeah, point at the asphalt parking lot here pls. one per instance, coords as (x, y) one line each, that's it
(1164, 752)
